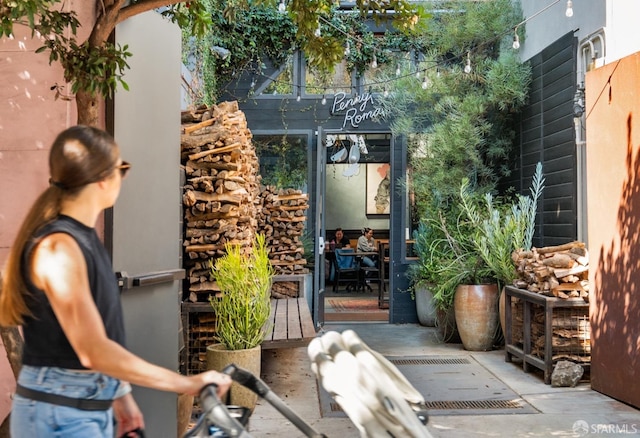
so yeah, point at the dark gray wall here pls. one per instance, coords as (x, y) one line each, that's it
(546, 133)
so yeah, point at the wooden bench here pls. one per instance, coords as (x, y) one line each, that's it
(290, 324)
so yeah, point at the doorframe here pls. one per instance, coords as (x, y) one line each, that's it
(397, 253)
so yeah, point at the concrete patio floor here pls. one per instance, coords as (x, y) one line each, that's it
(557, 412)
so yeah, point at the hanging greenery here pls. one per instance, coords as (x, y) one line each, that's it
(257, 32)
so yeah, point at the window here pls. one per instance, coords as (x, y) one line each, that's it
(283, 160)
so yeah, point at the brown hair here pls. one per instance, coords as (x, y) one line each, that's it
(79, 155)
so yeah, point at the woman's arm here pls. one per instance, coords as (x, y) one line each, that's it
(59, 268)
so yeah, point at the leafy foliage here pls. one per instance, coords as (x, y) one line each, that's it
(97, 66)
(243, 307)
(460, 124)
(255, 32)
(503, 226)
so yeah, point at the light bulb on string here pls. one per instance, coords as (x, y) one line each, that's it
(437, 72)
(253, 83)
(425, 84)
(398, 70)
(385, 93)
(467, 67)
(282, 7)
(516, 40)
(569, 11)
(324, 100)
(298, 97)
(318, 32)
(374, 62)
(347, 49)
(417, 74)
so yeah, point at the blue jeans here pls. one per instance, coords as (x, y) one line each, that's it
(30, 418)
(368, 262)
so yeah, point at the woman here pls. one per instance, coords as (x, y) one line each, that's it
(366, 243)
(59, 286)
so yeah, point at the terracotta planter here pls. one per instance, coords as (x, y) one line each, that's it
(425, 305)
(219, 357)
(476, 308)
(185, 408)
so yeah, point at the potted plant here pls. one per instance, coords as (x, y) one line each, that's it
(447, 258)
(242, 310)
(504, 226)
(423, 274)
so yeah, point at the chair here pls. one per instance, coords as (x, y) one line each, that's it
(369, 275)
(346, 268)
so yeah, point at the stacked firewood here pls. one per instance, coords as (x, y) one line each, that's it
(559, 271)
(570, 332)
(221, 196)
(224, 202)
(282, 220)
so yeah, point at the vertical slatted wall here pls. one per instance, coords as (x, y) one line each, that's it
(546, 134)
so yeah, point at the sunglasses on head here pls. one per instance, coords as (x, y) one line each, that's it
(124, 168)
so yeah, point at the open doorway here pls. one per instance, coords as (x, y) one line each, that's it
(357, 197)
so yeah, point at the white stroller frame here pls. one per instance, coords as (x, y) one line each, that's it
(378, 399)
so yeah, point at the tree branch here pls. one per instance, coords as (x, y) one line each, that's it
(144, 6)
(106, 22)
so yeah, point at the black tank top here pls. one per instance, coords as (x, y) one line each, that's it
(45, 344)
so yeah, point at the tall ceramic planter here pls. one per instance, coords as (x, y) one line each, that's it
(425, 305)
(476, 309)
(219, 357)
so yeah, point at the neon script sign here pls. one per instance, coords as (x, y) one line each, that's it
(356, 109)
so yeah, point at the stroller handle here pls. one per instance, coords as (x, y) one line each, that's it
(216, 412)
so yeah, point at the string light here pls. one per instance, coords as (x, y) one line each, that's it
(467, 67)
(424, 83)
(324, 99)
(318, 32)
(374, 62)
(282, 7)
(569, 11)
(398, 71)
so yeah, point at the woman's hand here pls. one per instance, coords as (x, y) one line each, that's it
(127, 414)
(201, 380)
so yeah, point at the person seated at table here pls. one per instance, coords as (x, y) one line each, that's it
(366, 243)
(340, 240)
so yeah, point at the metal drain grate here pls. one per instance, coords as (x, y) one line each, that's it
(432, 361)
(475, 404)
(460, 404)
(468, 386)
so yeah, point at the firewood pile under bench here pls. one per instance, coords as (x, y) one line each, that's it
(540, 330)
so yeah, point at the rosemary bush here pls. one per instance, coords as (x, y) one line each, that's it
(243, 307)
(503, 227)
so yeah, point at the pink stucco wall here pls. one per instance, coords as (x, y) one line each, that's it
(30, 118)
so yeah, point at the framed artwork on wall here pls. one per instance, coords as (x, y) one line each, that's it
(378, 188)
